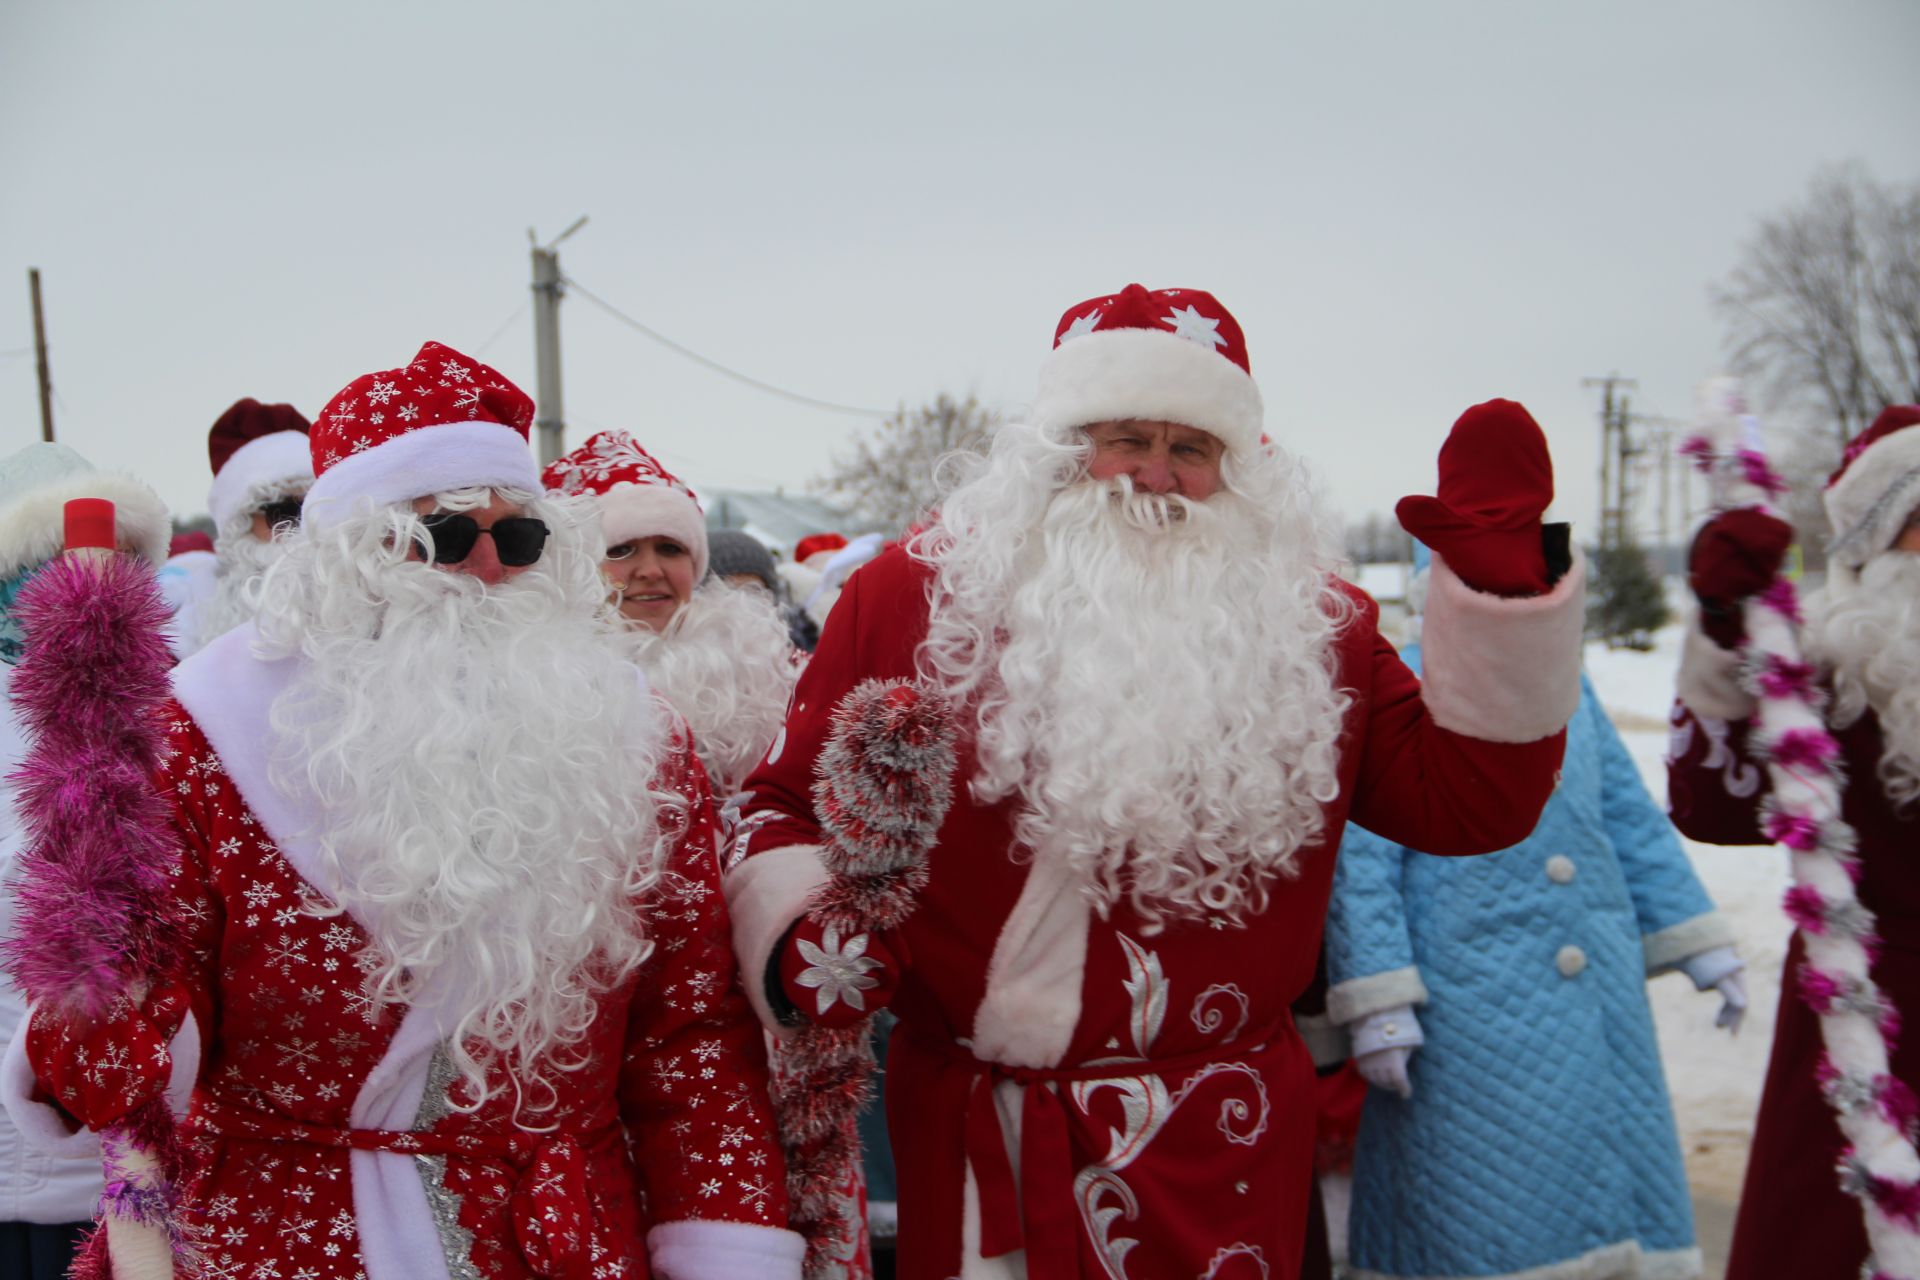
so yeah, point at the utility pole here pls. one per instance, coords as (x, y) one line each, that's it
(40, 356)
(550, 411)
(1614, 452)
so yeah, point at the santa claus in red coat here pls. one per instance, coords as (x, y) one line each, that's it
(447, 876)
(1169, 706)
(1862, 635)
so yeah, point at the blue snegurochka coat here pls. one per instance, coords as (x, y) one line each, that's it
(1539, 1139)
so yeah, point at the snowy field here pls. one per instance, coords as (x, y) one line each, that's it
(1715, 1080)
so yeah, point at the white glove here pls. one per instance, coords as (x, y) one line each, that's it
(1383, 1043)
(1719, 969)
(1386, 1069)
(1733, 1002)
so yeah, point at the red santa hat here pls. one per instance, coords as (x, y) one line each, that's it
(815, 543)
(258, 451)
(444, 421)
(638, 497)
(1876, 487)
(1170, 355)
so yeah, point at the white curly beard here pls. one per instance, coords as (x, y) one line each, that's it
(481, 756)
(1153, 679)
(243, 561)
(1866, 631)
(726, 663)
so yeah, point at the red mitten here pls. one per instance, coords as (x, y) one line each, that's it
(837, 981)
(1496, 480)
(1737, 554)
(102, 1070)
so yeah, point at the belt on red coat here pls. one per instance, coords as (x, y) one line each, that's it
(551, 1211)
(1037, 1213)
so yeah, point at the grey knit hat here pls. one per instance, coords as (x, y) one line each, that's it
(731, 551)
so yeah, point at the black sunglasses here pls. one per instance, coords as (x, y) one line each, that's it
(517, 540)
(284, 511)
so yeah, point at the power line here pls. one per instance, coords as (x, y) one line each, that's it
(715, 365)
(502, 330)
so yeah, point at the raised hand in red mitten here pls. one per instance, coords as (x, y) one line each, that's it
(101, 1069)
(835, 981)
(1496, 481)
(1737, 554)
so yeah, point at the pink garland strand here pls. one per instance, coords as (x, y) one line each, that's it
(1877, 1114)
(882, 786)
(92, 892)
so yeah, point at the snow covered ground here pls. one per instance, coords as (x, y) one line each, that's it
(1715, 1080)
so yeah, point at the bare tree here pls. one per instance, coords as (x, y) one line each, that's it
(1378, 539)
(888, 476)
(1822, 312)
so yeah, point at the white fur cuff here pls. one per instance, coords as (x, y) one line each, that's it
(765, 895)
(1499, 669)
(1668, 947)
(1327, 1042)
(1709, 679)
(1356, 998)
(693, 1250)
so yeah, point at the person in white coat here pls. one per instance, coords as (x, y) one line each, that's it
(47, 1198)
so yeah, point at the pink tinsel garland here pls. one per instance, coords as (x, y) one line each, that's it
(882, 787)
(93, 920)
(1876, 1113)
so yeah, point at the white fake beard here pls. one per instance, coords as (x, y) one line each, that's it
(1867, 631)
(1162, 700)
(481, 756)
(726, 663)
(243, 561)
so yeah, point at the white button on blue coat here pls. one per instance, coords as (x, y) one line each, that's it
(1570, 961)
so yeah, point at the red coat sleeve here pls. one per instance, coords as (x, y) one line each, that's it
(873, 631)
(693, 1088)
(1429, 788)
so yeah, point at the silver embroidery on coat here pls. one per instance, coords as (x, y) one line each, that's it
(456, 1242)
(1146, 1104)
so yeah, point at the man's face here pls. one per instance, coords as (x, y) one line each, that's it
(1909, 539)
(1159, 457)
(483, 562)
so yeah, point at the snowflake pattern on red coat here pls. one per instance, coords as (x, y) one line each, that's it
(669, 1121)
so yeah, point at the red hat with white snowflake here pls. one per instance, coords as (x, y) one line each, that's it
(638, 497)
(259, 452)
(1876, 487)
(443, 422)
(1169, 355)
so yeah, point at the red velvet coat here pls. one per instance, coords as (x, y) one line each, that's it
(1149, 1086)
(1794, 1220)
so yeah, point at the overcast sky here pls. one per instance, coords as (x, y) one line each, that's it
(1410, 206)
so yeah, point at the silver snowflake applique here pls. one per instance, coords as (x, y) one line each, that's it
(838, 972)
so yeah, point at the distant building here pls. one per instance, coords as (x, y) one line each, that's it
(1387, 583)
(777, 519)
